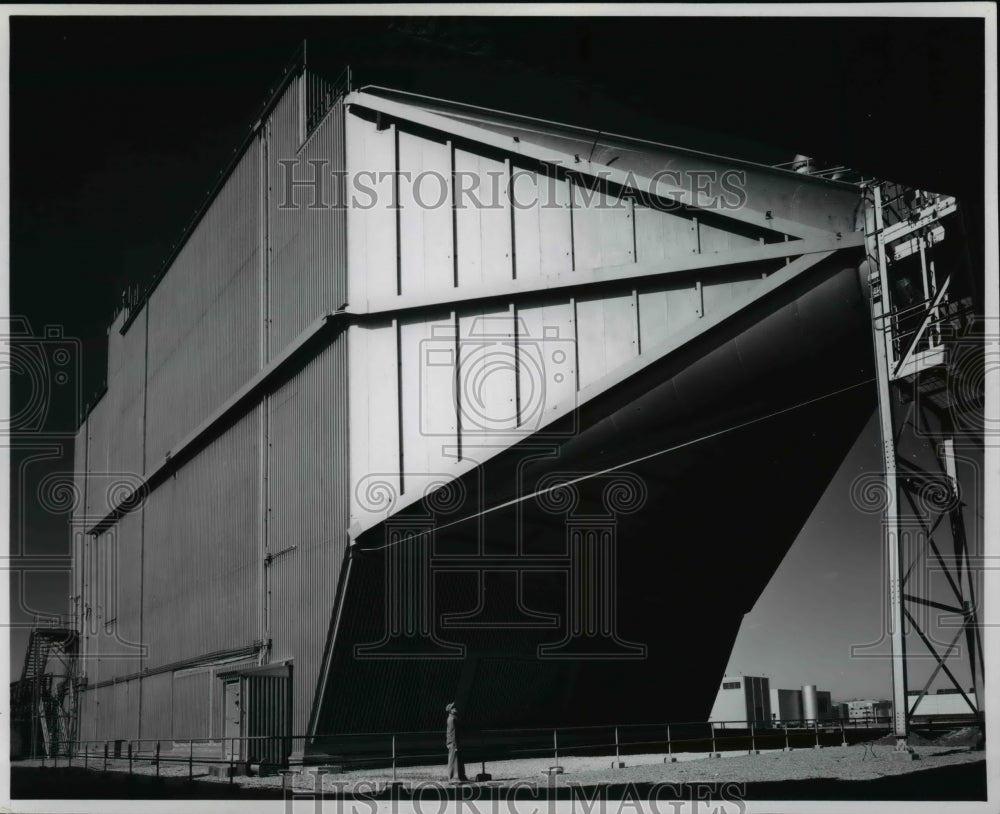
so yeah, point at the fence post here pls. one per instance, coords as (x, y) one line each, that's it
(190, 760)
(618, 758)
(816, 727)
(157, 758)
(714, 752)
(130, 757)
(556, 768)
(86, 749)
(753, 739)
(788, 747)
(843, 735)
(670, 752)
(394, 759)
(105, 756)
(232, 757)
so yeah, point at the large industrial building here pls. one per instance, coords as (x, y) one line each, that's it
(368, 446)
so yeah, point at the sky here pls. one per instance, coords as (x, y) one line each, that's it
(119, 126)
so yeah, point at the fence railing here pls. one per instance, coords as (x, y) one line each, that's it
(389, 751)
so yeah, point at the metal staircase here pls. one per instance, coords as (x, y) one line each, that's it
(929, 350)
(43, 702)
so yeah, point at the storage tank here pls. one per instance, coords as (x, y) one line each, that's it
(810, 703)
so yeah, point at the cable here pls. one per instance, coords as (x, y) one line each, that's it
(640, 459)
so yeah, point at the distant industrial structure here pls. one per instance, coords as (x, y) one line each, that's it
(745, 699)
(943, 704)
(868, 710)
(357, 459)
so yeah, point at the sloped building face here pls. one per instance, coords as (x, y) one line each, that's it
(436, 403)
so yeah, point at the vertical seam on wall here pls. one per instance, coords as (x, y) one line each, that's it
(142, 516)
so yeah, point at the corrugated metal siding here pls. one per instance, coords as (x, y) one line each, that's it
(203, 317)
(115, 599)
(99, 428)
(192, 694)
(77, 522)
(201, 580)
(308, 261)
(118, 711)
(267, 713)
(126, 392)
(308, 515)
(88, 715)
(157, 706)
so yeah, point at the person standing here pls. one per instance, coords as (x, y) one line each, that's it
(456, 768)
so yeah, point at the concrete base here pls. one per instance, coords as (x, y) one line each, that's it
(553, 770)
(669, 759)
(617, 764)
(844, 745)
(715, 754)
(817, 746)
(754, 752)
(483, 777)
(788, 749)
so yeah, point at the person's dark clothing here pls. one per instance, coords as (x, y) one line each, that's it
(456, 766)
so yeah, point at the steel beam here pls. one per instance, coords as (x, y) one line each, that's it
(515, 289)
(883, 356)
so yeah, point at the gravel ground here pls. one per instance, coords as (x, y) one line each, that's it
(857, 762)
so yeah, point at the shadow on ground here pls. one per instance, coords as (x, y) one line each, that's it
(957, 782)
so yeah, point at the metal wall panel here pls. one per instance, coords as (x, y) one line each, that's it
(373, 396)
(308, 517)
(77, 520)
(371, 218)
(268, 713)
(719, 238)
(157, 706)
(603, 233)
(201, 569)
(665, 308)
(427, 400)
(487, 376)
(114, 639)
(88, 715)
(547, 351)
(543, 236)
(118, 711)
(192, 706)
(660, 233)
(482, 219)
(725, 290)
(607, 334)
(99, 429)
(126, 394)
(203, 316)
(425, 215)
(307, 274)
